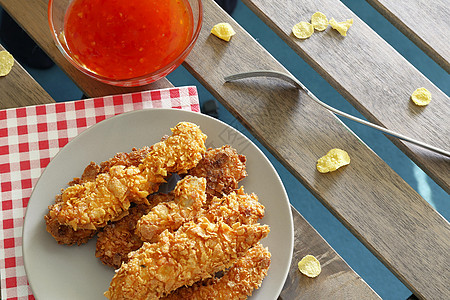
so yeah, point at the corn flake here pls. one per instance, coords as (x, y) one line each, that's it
(342, 27)
(303, 30)
(333, 160)
(6, 62)
(223, 31)
(309, 266)
(421, 97)
(319, 21)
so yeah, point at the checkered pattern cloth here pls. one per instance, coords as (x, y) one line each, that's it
(30, 137)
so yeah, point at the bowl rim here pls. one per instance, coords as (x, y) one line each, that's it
(134, 81)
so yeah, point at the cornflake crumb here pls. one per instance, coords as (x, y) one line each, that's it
(333, 160)
(309, 266)
(303, 30)
(6, 62)
(341, 27)
(223, 31)
(421, 97)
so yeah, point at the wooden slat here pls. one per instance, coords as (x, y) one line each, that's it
(371, 75)
(37, 27)
(337, 280)
(423, 22)
(337, 277)
(18, 88)
(377, 206)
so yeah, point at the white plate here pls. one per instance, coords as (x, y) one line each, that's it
(61, 272)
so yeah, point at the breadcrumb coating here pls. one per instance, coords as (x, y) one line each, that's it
(235, 207)
(223, 168)
(239, 282)
(117, 239)
(92, 204)
(133, 158)
(194, 252)
(189, 197)
(65, 234)
(177, 154)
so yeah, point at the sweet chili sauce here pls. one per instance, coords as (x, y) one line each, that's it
(122, 39)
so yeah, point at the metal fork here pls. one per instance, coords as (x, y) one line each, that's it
(294, 81)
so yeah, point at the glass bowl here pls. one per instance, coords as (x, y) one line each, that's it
(169, 59)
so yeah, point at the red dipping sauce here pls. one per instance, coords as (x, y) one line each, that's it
(123, 39)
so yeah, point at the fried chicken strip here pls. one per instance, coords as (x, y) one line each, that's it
(223, 168)
(189, 197)
(120, 238)
(170, 212)
(117, 239)
(238, 282)
(237, 207)
(194, 252)
(65, 234)
(91, 205)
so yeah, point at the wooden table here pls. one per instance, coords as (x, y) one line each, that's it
(392, 220)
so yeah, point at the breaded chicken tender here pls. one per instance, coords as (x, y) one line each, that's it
(237, 283)
(194, 252)
(177, 154)
(64, 234)
(189, 197)
(237, 207)
(117, 239)
(92, 204)
(223, 168)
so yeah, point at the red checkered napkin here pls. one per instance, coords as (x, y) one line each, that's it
(30, 137)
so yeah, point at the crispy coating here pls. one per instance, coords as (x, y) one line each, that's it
(169, 212)
(177, 154)
(194, 252)
(92, 204)
(127, 159)
(117, 239)
(223, 168)
(157, 198)
(65, 234)
(238, 282)
(235, 207)
(133, 158)
(189, 197)
(89, 174)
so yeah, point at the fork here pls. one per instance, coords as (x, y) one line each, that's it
(294, 81)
